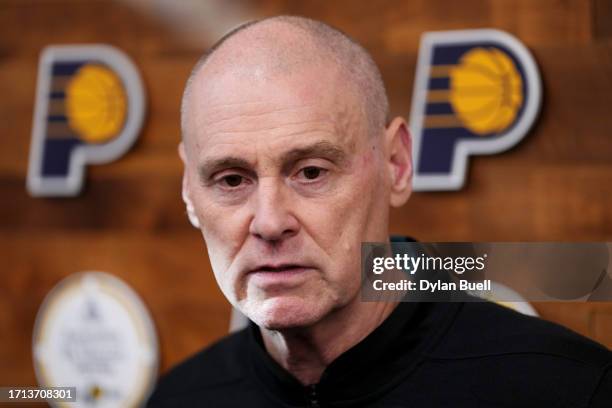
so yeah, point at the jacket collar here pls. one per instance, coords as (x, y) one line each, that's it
(367, 370)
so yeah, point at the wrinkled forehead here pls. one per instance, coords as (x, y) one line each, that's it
(246, 99)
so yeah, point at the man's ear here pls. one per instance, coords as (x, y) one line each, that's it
(193, 218)
(399, 161)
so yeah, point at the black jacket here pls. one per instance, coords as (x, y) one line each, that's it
(424, 355)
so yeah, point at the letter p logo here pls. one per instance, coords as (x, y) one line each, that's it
(476, 92)
(89, 109)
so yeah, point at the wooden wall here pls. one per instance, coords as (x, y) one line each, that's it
(130, 221)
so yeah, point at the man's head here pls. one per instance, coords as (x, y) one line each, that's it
(290, 163)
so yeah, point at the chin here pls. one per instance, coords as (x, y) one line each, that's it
(285, 312)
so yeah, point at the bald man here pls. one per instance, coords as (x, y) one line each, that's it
(291, 162)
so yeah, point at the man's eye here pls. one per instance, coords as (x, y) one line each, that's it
(312, 172)
(232, 180)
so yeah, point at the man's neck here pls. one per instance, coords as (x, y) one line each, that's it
(306, 352)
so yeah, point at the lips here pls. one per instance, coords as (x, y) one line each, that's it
(279, 268)
(276, 279)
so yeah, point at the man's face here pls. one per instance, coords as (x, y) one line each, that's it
(286, 184)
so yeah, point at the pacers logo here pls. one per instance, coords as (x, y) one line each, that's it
(476, 92)
(95, 103)
(89, 109)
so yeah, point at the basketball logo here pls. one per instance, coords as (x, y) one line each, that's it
(89, 109)
(95, 103)
(476, 92)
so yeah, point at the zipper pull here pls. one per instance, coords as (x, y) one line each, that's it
(313, 398)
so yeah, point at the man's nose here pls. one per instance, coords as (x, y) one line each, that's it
(273, 218)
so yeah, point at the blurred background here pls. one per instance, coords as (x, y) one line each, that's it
(555, 185)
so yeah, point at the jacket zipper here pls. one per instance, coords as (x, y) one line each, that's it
(313, 398)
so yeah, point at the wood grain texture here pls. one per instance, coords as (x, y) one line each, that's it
(130, 221)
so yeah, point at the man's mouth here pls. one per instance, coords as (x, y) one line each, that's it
(280, 276)
(279, 268)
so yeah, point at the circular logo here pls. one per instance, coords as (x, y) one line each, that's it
(486, 91)
(96, 103)
(94, 333)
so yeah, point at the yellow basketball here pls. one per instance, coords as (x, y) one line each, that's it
(95, 103)
(486, 90)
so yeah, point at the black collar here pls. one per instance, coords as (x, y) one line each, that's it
(366, 371)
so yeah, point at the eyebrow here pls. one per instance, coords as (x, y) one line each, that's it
(210, 167)
(322, 149)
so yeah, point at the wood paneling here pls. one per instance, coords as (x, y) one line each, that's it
(555, 185)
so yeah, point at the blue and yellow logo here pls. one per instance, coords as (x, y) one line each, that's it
(89, 109)
(476, 92)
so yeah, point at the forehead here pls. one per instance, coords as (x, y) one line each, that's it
(247, 105)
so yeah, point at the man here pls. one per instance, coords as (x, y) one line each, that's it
(290, 164)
